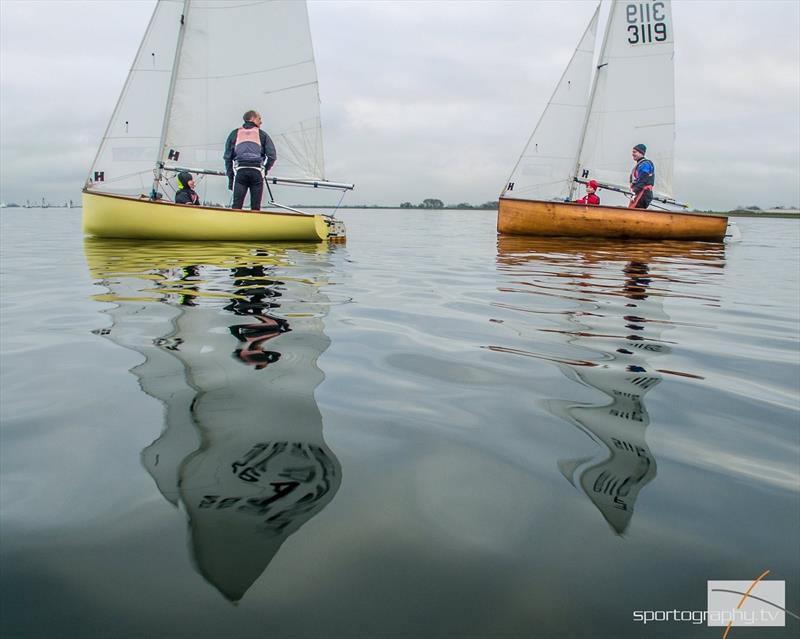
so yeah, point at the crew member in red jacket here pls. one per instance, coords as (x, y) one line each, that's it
(590, 197)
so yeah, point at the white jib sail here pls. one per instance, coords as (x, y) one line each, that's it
(128, 152)
(634, 97)
(545, 168)
(238, 55)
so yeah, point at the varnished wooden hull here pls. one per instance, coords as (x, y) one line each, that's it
(568, 219)
(117, 216)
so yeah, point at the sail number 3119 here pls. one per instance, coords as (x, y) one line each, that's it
(646, 22)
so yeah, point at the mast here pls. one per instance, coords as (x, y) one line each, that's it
(600, 65)
(170, 95)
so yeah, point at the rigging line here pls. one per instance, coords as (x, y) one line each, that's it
(339, 203)
(246, 73)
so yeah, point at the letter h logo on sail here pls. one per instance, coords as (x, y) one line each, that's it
(173, 155)
(99, 176)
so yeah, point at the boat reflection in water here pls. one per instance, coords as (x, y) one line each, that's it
(230, 336)
(613, 295)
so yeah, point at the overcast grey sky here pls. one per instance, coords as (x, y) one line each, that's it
(425, 99)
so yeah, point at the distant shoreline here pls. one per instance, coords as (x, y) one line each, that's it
(757, 214)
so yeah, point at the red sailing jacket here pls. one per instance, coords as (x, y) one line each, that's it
(590, 198)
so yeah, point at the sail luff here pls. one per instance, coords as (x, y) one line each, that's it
(170, 96)
(601, 62)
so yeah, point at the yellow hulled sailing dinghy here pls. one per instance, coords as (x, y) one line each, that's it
(599, 110)
(186, 90)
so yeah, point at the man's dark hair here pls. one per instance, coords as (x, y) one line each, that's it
(249, 115)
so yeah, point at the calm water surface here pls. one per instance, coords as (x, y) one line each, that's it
(426, 432)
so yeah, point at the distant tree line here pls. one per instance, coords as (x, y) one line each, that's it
(433, 203)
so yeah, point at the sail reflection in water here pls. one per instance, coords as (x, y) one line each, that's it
(613, 309)
(230, 336)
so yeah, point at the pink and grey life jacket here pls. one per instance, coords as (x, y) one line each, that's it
(247, 147)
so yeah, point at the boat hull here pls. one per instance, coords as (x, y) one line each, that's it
(116, 216)
(569, 219)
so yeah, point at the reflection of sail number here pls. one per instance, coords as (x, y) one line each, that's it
(646, 22)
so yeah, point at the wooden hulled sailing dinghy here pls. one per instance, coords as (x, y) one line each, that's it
(186, 90)
(569, 219)
(588, 129)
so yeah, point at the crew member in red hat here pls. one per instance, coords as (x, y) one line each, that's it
(590, 197)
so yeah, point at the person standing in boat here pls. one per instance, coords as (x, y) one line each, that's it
(247, 149)
(186, 194)
(643, 178)
(590, 197)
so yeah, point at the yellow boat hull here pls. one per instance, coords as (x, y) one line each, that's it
(569, 219)
(119, 216)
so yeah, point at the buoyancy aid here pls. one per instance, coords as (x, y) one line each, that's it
(247, 147)
(643, 175)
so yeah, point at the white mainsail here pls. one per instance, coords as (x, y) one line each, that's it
(201, 65)
(543, 171)
(634, 97)
(588, 133)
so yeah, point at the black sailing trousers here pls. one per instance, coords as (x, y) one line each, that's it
(248, 179)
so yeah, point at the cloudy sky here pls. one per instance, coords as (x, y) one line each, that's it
(425, 99)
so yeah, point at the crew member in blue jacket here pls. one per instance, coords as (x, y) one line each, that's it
(643, 178)
(247, 149)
